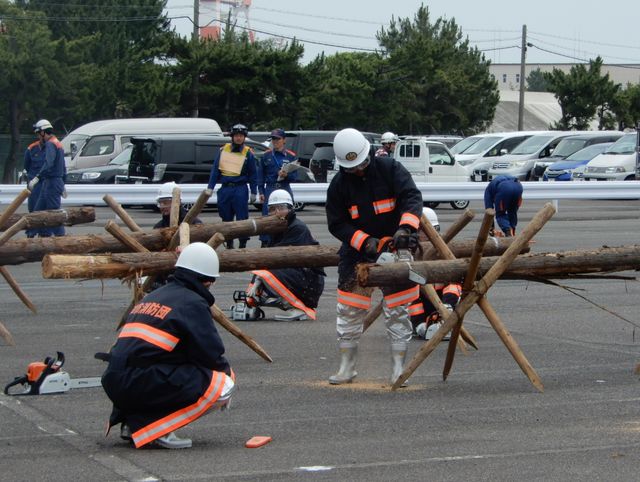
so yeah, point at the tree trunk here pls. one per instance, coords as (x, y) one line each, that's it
(563, 264)
(29, 250)
(42, 219)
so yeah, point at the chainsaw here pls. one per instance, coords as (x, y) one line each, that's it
(46, 377)
(402, 251)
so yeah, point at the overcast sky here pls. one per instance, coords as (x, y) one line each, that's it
(560, 30)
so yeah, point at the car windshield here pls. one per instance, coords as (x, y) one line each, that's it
(531, 145)
(625, 145)
(79, 139)
(483, 145)
(566, 147)
(464, 144)
(123, 158)
(589, 152)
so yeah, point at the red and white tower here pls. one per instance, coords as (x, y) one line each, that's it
(211, 16)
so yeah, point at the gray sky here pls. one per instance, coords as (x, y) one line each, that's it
(571, 28)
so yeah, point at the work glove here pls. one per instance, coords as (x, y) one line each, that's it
(33, 183)
(371, 248)
(252, 198)
(64, 193)
(404, 239)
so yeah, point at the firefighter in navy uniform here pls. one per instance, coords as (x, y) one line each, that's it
(167, 367)
(425, 318)
(504, 194)
(234, 168)
(369, 199)
(34, 157)
(295, 290)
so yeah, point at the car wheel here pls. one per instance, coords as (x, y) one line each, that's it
(459, 204)
(431, 204)
(298, 206)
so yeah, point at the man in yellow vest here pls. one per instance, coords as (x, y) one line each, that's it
(234, 168)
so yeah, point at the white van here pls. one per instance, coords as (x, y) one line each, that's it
(96, 143)
(617, 163)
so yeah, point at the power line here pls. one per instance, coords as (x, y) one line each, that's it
(626, 66)
(595, 54)
(587, 41)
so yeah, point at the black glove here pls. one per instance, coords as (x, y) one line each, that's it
(401, 240)
(371, 248)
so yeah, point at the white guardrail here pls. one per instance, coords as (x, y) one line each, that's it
(135, 194)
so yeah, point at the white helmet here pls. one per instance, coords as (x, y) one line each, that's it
(351, 147)
(42, 125)
(166, 190)
(200, 258)
(280, 196)
(388, 138)
(431, 216)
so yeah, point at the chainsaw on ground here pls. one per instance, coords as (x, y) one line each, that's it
(241, 311)
(46, 377)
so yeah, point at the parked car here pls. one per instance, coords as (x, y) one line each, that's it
(477, 157)
(447, 140)
(572, 167)
(571, 144)
(519, 163)
(464, 144)
(118, 166)
(618, 163)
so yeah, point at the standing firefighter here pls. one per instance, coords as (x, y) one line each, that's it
(295, 290)
(370, 199)
(34, 157)
(504, 194)
(388, 141)
(51, 175)
(167, 367)
(234, 168)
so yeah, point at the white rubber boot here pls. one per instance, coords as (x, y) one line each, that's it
(398, 357)
(172, 441)
(348, 356)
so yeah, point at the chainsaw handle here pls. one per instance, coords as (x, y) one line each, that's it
(16, 381)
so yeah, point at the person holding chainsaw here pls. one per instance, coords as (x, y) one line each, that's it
(295, 290)
(504, 194)
(167, 367)
(425, 318)
(372, 206)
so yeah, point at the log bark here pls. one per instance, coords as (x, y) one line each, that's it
(11, 281)
(563, 264)
(47, 219)
(13, 207)
(121, 213)
(30, 250)
(120, 265)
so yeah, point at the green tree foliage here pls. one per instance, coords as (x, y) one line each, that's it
(536, 81)
(582, 94)
(440, 84)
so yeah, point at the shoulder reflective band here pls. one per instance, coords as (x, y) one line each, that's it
(410, 219)
(384, 205)
(149, 334)
(402, 297)
(416, 309)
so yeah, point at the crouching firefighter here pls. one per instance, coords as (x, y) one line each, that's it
(295, 290)
(425, 318)
(167, 367)
(370, 199)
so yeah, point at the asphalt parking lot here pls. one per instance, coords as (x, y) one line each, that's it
(486, 422)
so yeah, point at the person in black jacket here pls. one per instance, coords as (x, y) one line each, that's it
(369, 201)
(167, 367)
(165, 200)
(295, 290)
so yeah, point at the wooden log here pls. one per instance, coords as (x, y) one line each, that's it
(458, 225)
(219, 316)
(16, 289)
(184, 235)
(560, 265)
(430, 292)
(6, 335)
(479, 290)
(29, 250)
(116, 231)
(8, 234)
(54, 217)
(121, 213)
(174, 214)
(198, 206)
(12, 208)
(216, 240)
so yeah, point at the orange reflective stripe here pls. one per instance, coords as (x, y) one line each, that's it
(416, 309)
(352, 299)
(357, 239)
(275, 284)
(453, 288)
(183, 416)
(410, 219)
(402, 297)
(353, 210)
(159, 338)
(384, 205)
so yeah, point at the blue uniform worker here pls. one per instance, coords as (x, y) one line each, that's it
(504, 194)
(235, 167)
(51, 176)
(271, 172)
(33, 162)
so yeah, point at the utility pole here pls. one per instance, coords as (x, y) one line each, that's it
(195, 39)
(638, 152)
(523, 57)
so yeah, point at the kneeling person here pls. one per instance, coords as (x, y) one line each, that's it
(167, 367)
(295, 290)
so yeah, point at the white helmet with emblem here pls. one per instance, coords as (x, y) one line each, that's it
(166, 190)
(41, 125)
(431, 216)
(200, 258)
(280, 196)
(351, 147)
